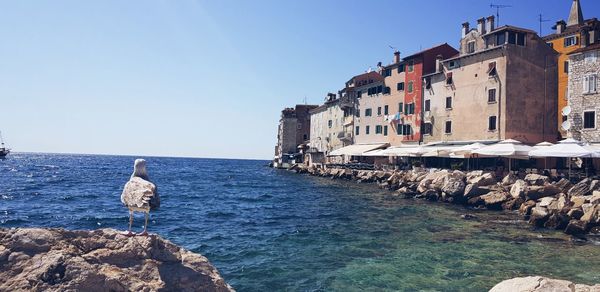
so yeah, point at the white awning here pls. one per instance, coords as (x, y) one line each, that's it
(357, 149)
(565, 148)
(508, 148)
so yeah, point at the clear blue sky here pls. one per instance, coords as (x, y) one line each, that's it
(204, 78)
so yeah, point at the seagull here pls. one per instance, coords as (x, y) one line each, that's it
(140, 195)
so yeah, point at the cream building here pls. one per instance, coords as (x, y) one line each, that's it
(502, 85)
(327, 130)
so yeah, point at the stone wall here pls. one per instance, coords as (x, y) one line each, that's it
(580, 101)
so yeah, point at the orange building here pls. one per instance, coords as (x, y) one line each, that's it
(568, 37)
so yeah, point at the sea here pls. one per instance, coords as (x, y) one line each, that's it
(272, 230)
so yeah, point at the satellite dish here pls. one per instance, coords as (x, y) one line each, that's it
(566, 125)
(566, 110)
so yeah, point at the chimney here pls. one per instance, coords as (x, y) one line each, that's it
(593, 37)
(490, 24)
(465, 29)
(560, 26)
(379, 68)
(585, 38)
(481, 25)
(438, 63)
(396, 57)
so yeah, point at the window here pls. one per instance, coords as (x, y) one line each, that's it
(305, 137)
(512, 37)
(409, 108)
(378, 129)
(401, 68)
(367, 130)
(571, 41)
(410, 87)
(471, 47)
(492, 123)
(387, 72)
(551, 45)
(492, 69)
(400, 86)
(492, 95)
(411, 65)
(403, 130)
(427, 129)
(590, 83)
(386, 90)
(386, 110)
(368, 112)
(500, 38)
(428, 83)
(379, 111)
(448, 128)
(427, 105)
(379, 89)
(357, 130)
(359, 94)
(520, 39)
(385, 130)
(589, 120)
(566, 67)
(449, 80)
(453, 64)
(401, 107)
(591, 57)
(330, 123)
(449, 102)
(357, 112)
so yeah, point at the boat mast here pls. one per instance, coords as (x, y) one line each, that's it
(1, 141)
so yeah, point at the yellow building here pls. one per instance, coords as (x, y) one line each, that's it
(568, 37)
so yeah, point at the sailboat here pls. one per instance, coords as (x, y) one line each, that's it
(3, 150)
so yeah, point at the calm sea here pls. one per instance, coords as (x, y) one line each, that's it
(270, 230)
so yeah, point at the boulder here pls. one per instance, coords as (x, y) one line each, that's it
(494, 200)
(575, 227)
(431, 195)
(557, 221)
(582, 188)
(518, 189)
(575, 213)
(578, 201)
(525, 208)
(562, 202)
(512, 204)
(563, 184)
(545, 202)
(536, 179)
(534, 284)
(594, 198)
(427, 182)
(590, 214)
(100, 260)
(453, 187)
(472, 190)
(538, 216)
(485, 179)
(538, 192)
(509, 179)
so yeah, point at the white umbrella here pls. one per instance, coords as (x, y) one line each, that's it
(466, 150)
(567, 148)
(507, 148)
(542, 145)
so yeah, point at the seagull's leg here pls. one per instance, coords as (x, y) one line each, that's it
(129, 233)
(145, 232)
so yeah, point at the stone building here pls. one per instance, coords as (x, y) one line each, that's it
(568, 37)
(293, 131)
(584, 97)
(368, 88)
(502, 85)
(329, 129)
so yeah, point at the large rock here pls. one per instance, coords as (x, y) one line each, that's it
(36, 259)
(453, 187)
(509, 179)
(536, 179)
(485, 179)
(518, 189)
(525, 208)
(576, 227)
(582, 188)
(540, 284)
(564, 185)
(537, 192)
(472, 190)
(590, 214)
(494, 200)
(427, 183)
(595, 198)
(539, 215)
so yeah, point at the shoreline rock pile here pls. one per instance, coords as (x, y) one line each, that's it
(39, 259)
(549, 202)
(540, 284)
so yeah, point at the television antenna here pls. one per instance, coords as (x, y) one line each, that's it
(541, 20)
(498, 7)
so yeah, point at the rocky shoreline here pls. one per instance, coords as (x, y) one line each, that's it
(544, 201)
(540, 284)
(40, 259)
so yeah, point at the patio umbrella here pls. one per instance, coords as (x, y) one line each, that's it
(542, 145)
(507, 148)
(568, 148)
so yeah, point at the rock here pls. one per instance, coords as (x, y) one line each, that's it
(512, 204)
(575, 213)
(536, 179)
(538, 216)
(595, 198)
(563, 184)
(518, 189)
(469, 217)
(526, 207)
(582, 188)
(494, 200)
(509, 179)
(427, 182)
(485, 179)
(537, 192)
(534, 284)
(63, 260)
(431, 195)
(453, 187)
(562, 202)
(590, 214)
(557, 221)
(545, 202)
(575, 227)
(578, 201)
(472, 190)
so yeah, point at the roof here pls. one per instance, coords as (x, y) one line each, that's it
(593, 47)
(572, 29)
(426, 50)
(510, 27)
(473, 54)
(575, 15)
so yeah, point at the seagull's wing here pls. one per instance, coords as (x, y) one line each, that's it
(138, 193)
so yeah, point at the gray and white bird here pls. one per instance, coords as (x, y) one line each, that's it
(140, 195)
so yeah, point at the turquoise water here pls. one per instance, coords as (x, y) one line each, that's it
(271, 230)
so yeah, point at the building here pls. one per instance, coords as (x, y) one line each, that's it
(293, 132)
(330, 127)
(584, 98)
(568, 37)
(502, 85)
(368, 121)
